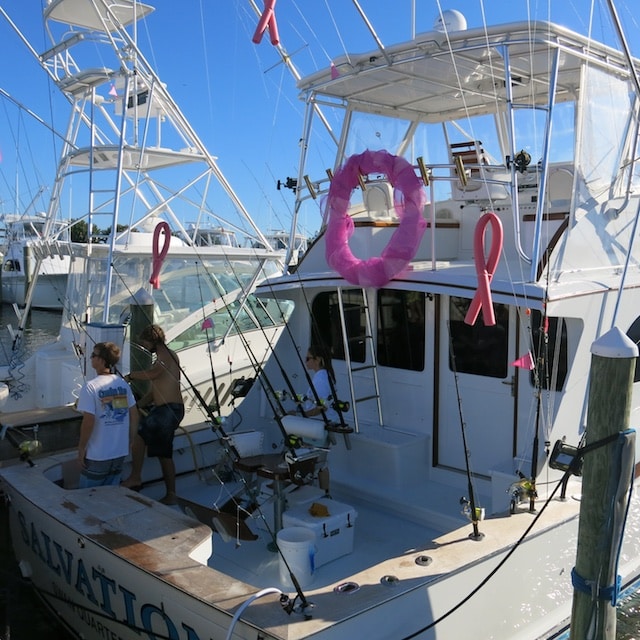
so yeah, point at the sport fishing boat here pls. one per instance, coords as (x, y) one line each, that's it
(477, 243)
(153, 192)
(20, 247)
(281, 240)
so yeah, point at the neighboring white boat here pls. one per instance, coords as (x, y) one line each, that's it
(142, 170)
(282, 241)
(30, 245)
(443, 515)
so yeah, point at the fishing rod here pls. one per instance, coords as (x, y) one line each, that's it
(283, 372)
(541, 364)
(319, 402)
(339, 406)
(205, 325)
(476, 535)
(272, 396)
(278, 412)
(232, 452)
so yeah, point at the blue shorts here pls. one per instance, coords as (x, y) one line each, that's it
(100, 473)
(158, 426)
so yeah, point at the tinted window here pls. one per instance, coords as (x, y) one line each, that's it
(327, 327)
(401, 329)
(478, 349)
(399, 326)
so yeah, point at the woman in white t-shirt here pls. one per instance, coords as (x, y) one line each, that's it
(109, 420)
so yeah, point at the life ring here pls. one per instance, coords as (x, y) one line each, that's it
(403, 245)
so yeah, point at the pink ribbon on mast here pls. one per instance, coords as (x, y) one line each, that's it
(267, 20)
(485, 270)
(159, 254)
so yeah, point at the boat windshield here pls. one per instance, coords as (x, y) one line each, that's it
(199, 299)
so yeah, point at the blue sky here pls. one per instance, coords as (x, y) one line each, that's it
(240, 99)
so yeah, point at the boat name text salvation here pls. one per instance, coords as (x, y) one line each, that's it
(95, 586)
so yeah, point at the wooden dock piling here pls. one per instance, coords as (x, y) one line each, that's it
(603, 487)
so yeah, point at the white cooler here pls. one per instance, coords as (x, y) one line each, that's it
(334, 533)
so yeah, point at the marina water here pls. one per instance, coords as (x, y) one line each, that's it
(22, 617)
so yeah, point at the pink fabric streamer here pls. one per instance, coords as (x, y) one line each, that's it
(159, 254)
(396, 256)
(524, 362)
(267, 20)
(485, 270)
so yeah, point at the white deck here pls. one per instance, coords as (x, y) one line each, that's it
(163, 541)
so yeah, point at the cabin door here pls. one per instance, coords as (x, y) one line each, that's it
(475, 386)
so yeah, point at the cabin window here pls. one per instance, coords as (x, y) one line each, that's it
(478, 349)
(401, 329)
(549, 351)
(327, 328)
(12, 265)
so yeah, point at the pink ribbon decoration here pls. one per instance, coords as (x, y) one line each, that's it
(159, 255)
(404, 243)
(485, 270)
(267, 20)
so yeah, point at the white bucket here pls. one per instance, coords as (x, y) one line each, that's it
(298, 546)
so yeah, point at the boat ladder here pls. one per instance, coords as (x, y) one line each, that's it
(369, 366)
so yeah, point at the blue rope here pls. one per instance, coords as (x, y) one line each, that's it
(587, 586)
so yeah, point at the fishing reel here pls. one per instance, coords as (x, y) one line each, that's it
(29, 448)
(522, 160)
(217, 421)
(466, 510)
(294, 442)
(341, 405)
(520, 491)
(289, 183)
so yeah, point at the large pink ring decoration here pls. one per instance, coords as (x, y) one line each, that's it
(396, 256)
(159, 254)
(485, 269)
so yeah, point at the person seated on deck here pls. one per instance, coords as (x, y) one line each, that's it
(322, 379)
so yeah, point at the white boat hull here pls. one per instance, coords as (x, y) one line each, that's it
(127, 563)
(48, 292)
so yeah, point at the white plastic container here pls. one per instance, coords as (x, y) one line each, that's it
(333, 533)
(298, 546)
